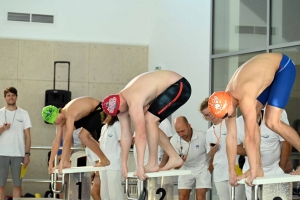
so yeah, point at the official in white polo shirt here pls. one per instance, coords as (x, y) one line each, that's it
(190, 145)
(111, 178)
(274, 150)
(216, 149)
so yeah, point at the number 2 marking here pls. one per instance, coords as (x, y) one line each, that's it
(163, 191)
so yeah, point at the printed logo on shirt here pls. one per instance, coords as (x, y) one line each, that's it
(265, 136)
(109, 135)
(224, 133)
(197, 146)
(19, 120)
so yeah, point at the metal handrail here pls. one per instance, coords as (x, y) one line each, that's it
(35, 181)
(59, 181)
(50, 147)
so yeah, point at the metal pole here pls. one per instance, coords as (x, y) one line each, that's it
(232, 192)
(256, 192)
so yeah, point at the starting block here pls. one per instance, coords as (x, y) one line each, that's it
(273, 187)
(76, 182)
(158, 185)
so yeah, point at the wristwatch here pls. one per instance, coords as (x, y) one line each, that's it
(27, 153)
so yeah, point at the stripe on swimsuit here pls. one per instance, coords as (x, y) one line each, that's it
(177, 96)
(284, 66)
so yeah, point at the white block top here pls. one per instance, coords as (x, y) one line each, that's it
(278, 178)
(163, 173)
(80, 169)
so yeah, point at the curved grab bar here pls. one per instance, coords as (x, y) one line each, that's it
(127, 192)
(62, 184)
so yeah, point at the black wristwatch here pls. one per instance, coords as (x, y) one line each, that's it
(27, 153)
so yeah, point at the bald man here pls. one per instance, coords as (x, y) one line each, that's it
(266, 79)
(190, 144)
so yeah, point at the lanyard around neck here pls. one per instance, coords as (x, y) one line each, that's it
(181, 147)
(13, 117)
(218, 138)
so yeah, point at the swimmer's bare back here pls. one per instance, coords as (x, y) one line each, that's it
(147, 86)
(80, 107)
(254, 76)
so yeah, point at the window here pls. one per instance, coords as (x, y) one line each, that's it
(242, 29)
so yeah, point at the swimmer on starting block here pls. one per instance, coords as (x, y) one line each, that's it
(266, 79)
(148, 99)
(82, 112)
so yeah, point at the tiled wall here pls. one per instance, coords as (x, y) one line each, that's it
(96, 70)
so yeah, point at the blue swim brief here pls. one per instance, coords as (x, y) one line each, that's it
(278, 93)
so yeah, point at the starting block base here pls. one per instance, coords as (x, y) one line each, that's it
(275, 187)
(158, 185)
(76, 182)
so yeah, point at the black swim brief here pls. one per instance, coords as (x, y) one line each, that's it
(92, 122)
(171, 99)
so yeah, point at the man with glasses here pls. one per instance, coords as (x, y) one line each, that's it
(148, 99)
(266, 78)
(216, 149)
(82, 112)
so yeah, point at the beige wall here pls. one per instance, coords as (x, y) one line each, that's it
(96, 70)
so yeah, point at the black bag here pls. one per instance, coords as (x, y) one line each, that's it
(58, 98)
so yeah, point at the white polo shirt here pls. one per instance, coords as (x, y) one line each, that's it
(270, 144)
(165, 126)
(12, 140)
(220, 162)
(110, 145)
(197, 158)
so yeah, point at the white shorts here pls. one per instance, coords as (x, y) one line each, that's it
(201, 179)
(224, 191)
(111, 184)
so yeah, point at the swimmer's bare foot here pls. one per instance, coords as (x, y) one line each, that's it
(259, 173)
(62, 165)
(151, 168)
(173, 163)
(102, 163)
(296, 172)
(140, 173)
(244, 175)
(249, 177)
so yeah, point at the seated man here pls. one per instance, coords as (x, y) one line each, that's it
(82, 112)
(275, 151)
(190, 144)
(266, 78)
(148, 99)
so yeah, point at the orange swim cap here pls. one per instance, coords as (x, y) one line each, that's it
(218, 104)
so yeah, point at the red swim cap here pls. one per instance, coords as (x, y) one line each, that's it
(218, 104)
(111, 104)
